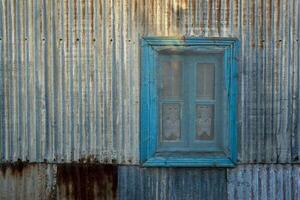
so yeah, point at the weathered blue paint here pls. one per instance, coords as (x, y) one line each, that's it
(149, 108)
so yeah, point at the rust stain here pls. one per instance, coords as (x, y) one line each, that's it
(218, 7)
(16, 168)
(87, 181)
(100, 10)
(92, 18)
(227, 12)
(209, 14)
(75, 19)
(66, 12)
(194, 13)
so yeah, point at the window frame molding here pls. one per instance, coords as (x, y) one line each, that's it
(149, 98)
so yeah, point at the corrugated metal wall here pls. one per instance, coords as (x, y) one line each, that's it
(69, 181)
(69, 91)
(70, 74)
(266, 182)
(69, 81)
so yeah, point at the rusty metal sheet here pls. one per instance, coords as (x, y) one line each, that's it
(27, 181)
(86, 181)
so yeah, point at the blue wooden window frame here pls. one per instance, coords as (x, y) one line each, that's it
(150, 47)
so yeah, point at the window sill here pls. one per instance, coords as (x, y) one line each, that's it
(188, 162)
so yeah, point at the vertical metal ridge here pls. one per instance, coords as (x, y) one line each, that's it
(36, 92)
(45, 74)
(272, 64)
(294, 79)
(2, 85)
(104, 72)
(264, 43)
(123, 85)
(110, 80)
(62, 91)
(88, 96)
(113, 75)
(42, 67)
(4, 128)
(25, 112)
(93, 122)
(78, 81)
(297, 142)
(97, 103)
(116, 75)
(19, 81)
(257, 78)
(71, 79)
(55, 84)
(66, 89)
(11, 83)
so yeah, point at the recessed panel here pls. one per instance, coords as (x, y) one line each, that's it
(205, 81)
(204, 122)
(171, 79)
(170, 123)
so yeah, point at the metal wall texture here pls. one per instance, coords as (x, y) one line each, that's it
(171, 183)
(264, 182)
(74, 181)
(69, 92)
(69, 81)
(254, 181)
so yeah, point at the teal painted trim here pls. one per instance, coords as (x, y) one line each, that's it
(188, 162)
(234, 100)
(145, 104)
(149, 118)
(153, 122)
(190, 41)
